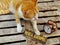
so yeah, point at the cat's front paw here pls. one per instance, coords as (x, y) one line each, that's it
(37, 32)
(19, 28)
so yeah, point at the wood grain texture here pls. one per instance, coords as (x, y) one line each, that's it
(49, 13)
(6, 17)
(8, 31)
(23, 43)
(12, 38)
(44, 20)
(43, 0)
(52, 41)
(49, 6)
(7, 24)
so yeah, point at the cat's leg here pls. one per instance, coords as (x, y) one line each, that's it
(19, 27)
(34, 23)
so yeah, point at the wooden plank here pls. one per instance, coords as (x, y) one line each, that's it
(32, 42)
(49, 41)
(44, 20)
(49, 13)
(51, 5)
(59, 39)
(8, 31)
(40, 27)
(46, 6)
(12, 38)
(52, 41)
(43, 0)
(7, 24)
(56, 0)
(22, 43)
(7, 17)
(10, 23)
(58, 24)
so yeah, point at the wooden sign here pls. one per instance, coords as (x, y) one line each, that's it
(33, 36)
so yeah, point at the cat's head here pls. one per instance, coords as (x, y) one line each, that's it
(30, 9)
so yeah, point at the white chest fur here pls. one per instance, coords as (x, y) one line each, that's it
(20, 12)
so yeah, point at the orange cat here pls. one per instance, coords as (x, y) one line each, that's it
(26, 9)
